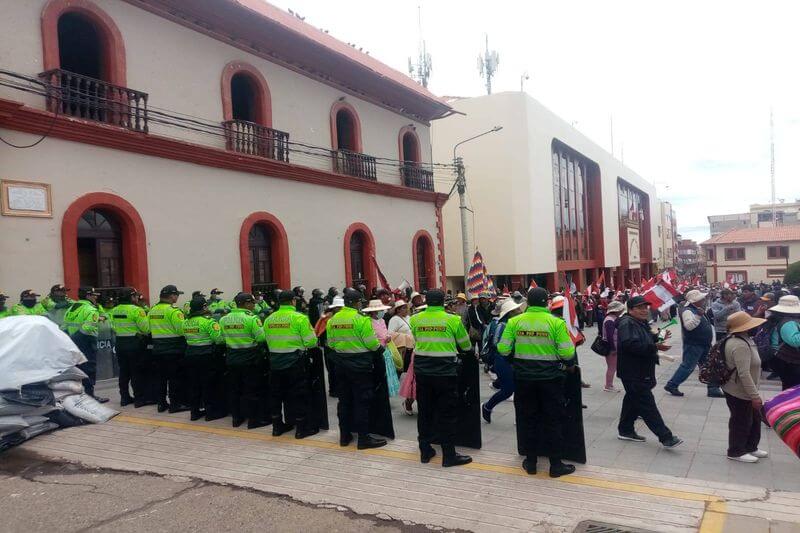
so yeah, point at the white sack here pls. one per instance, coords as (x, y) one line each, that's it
(33, 349)
(12, 424)
(73, 387)
(13, 408)
(85, 407)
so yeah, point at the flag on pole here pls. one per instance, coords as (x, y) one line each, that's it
(661, 295)
(649, 284)
(533, 284)
(476, 277)
(381, 277)
(571, 318)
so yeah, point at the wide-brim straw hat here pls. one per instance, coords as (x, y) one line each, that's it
(375, 306)
(789, 305)
(400, 303)
(508, 306)
(740, 322)
(615, 307)
(337, 302)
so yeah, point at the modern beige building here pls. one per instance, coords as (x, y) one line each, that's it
(759, 216)
(752, 254)
(547, 201)
(668, 238)
(222, 143)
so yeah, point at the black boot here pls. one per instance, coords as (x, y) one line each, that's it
(558, 469)
(426, 454)
(237, 421)
(178, 407)
(162, 406)
(345, 438)
(213, 416)
(196, 414)
(529, 465)
(303, 430)
(368, 441)
(255, 424)
(456, 460)
(125, 399)
(279, 428)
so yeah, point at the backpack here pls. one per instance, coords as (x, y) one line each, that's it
(763, 340)
(715, 371)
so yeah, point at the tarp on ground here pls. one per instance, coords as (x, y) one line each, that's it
(33, 349)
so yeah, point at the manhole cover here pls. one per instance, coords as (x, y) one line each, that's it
(590, 526)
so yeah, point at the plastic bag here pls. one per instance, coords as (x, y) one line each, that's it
(396, 357)
(85, 407)
(12, 424)
(73, 387)
(392, 380)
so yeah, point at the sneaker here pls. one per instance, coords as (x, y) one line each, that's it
(672, 390)
(487, 413)
(746, 458)
(761, 454)
(610, 389)
(672, 442)
(633, 437)
(408, 409)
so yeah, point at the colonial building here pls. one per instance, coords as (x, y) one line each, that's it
(668, 238)
(759, 216)
(752, 254)
(548, 202)
(222, 143)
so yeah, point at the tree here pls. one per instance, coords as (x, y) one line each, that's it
(792, 276)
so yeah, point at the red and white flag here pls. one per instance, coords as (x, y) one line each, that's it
(571, 318)
(661, 295)
(533, 284)
(649, 284)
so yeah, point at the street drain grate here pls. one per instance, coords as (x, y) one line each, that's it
(591, 526)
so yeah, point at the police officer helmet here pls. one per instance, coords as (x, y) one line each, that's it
(434, 297)
(352, 296)
(286, 297)
(316, 293)
(537, 297)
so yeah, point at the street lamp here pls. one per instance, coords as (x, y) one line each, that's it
(461, 185)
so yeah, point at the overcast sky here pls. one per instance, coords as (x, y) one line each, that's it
(689, 84)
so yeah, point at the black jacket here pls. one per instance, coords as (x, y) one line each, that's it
(637, 355)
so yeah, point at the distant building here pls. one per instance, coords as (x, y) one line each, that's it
(751, 254)
(691, 258)
(668, 242)
(760, 216)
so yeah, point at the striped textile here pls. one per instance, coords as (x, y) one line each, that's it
(783, 415)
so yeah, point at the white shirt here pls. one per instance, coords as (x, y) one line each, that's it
(690, 320)
(398, 324)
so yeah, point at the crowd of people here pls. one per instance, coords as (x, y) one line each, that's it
(259, 357)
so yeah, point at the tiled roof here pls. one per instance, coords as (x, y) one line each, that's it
(752, 235)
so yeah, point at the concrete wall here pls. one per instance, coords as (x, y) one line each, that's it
(510, 183)
(755, 262)
(193, 215)
(181, 71)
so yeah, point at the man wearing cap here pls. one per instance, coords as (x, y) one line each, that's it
(439, 338)
(697, 338)
(28, 305)
(204, 361)
(56, 303)
(248, 382)
(637, 357)
(320, 328)
(352, 338)
(130, 326)
(541, 352)
(4, 311)
(289, 337)
(217, 305)
(166, 328)
(80, 323)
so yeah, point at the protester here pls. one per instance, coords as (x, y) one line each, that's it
(722, 308)
(376, 311)
(741, 391)
(320, 329)
(697, 338)
(502, 367)
(637, 357)
(785, 340)
(750, 302)
(613, 312)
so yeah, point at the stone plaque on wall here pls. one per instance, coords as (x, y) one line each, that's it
(634, 248)
(25, 199)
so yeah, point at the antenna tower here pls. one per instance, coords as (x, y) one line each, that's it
(487, 65)
(421, 70)
(772, 165)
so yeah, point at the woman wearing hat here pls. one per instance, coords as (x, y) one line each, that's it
(502, 366)
(613, 312)
(785, 340)
(375, 311)
(741, 390)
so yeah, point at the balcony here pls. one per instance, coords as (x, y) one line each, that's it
(354, 164)
(416, 177)
(254, 139)
(87, 98)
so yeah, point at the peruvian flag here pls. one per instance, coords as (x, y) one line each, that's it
(571, 318)
(648, 284)
(533, 284)
(596, 284)
(661, 295)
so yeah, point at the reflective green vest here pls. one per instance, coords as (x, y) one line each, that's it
(4, 313)
(129, 320)
(438, 337)
(21, 310)
(288, 334)
(50, 304)
(540, 345)
(166, 328)
(242, 332)
(201, 333)
(352, 337)
(82, 317)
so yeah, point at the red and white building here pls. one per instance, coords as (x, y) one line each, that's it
(208, 144)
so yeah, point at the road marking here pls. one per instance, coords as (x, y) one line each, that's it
(713, 518)
(407, 456)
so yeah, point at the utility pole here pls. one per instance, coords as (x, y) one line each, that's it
(522, 81)
(772, 166)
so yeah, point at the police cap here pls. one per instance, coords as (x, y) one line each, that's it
(197, 304)
(169, 290)
(286, 297)
(434, 297)
(537, 297)
(352, 296)
(83, 292)
(243, 297)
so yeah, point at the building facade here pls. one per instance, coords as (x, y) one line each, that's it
(691, 259)
(667, 231)
(751, 255)
(548, 203)
(208, 144)
(759, 216)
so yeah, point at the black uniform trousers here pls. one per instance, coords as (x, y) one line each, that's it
(330, 366)
(248, 398)
(127, 350)
(639, 402)
(437, 401)
(172, 379)
(355, 391)
(290, 393)
(145, 375)
(539, 406)
(87, 344)
(207, 382)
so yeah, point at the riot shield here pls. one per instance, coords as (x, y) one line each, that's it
(380, 412)
(318, 411)
(107, 365)
(469, 404)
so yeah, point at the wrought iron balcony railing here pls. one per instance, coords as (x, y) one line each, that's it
(416, 177)
(354, 164)
(254, 139)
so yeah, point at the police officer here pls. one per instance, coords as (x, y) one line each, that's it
(28, 304)
(4, 311)
(541, 350)
(439, 338)
(166, 328)
(247, 366)
(217, 305)
(56, 303)
(203, 335)
(131, 326)
(80, 323)
(195, 294)
(289, 335)
(353, 340)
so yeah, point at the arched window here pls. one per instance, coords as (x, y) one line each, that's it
(244, 98)
(104, 244)
(359, 249)
(424, 262)
(100, 250)
(79, 46)
(409, 146)
(357, 263)
(264, 253)
(345, 127)
(259, 242)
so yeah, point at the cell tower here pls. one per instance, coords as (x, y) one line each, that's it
(772, 165)
(421, 70)
(487, 65)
